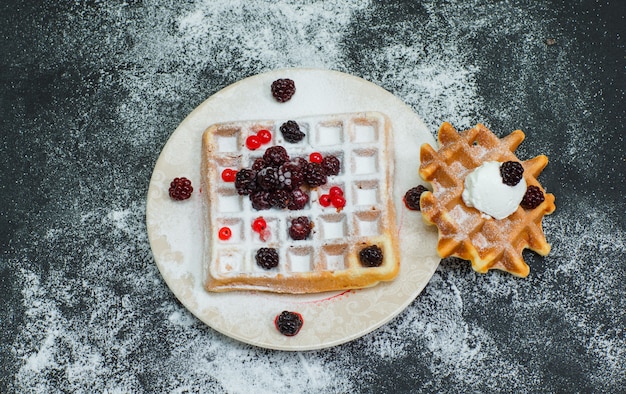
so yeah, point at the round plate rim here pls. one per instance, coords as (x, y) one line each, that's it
(430, 258)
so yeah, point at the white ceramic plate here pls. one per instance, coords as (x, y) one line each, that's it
(176, 234)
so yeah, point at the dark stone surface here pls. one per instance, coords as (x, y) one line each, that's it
(91, 92)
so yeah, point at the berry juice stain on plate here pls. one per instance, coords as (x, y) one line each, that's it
(330, 123)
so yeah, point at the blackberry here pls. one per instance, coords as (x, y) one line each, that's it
(279, 198)
(260, 200)
(298, 200)
(267, 179)
(245, 181)
(331, 165)
(300, 162)
(275, 156)
(259, 164)
(511, 172)
(371, 256)
(532, 198)
(283, 89)
(266, 258)
(180, 188)
(291, 132)
(314, 174)
(290, 176)
(300, 228)
(412, 197)
(288, 323)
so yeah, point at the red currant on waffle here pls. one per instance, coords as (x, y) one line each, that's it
(335, 191)
(264, 136)
(229, 175)
(325, 200)
(338, 202)
(259, 224)
(253, 142)
(316, 157)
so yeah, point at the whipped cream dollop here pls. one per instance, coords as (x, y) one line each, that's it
(485, 191)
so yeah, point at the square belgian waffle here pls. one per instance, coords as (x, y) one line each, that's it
(329, 258)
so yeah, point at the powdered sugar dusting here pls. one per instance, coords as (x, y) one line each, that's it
(462, 346)
(93, 312)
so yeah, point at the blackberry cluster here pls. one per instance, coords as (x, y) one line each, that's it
(275, 156)
(300, 228)
(291, 132)
(289, 323)
(180, 188)
(267, 258)
(259, 164)
(511, 172)
(412, 197)
(532, 198)
(314, 174)
(300, 162)
(280, 198)
(331, 165)
(260, 200)
(267, 178)
(245, 181)
(290, 176)
(298, 200)
(283, 89)
(278, 181)
(371, 256)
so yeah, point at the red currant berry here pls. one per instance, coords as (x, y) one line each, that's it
(265, 136)
(225, 233)
(259, 225)
(315, 157)
(335, 191)
(325, 200)
(338, 201)
(253, 142)
(228, 175)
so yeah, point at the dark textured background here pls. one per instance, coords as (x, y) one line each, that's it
(91, 92)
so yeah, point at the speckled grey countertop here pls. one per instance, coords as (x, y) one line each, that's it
(91, 92)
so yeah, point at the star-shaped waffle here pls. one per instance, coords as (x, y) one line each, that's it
(466, 232)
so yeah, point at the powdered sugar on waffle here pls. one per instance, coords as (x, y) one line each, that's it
(97, 316)
(361, 143)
